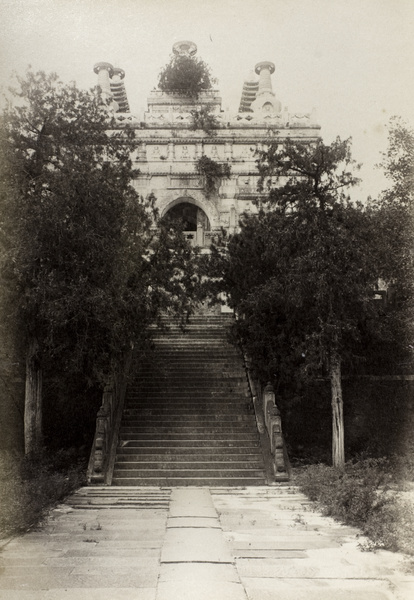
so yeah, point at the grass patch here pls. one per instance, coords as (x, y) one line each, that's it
(30, 487)
(368, 494)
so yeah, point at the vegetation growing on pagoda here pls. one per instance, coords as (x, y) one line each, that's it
(212, 173)
(186, 75)
(204, 119)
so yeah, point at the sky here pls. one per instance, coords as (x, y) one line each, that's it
(352, 60)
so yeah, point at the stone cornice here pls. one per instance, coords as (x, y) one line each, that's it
(219, 140)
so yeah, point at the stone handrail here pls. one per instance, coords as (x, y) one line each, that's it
(269, 421)
(103, 450)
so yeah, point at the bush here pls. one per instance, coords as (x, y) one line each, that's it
(204, 119)
(29, 487)
(186, 75)
(212, 173)
(363, 494)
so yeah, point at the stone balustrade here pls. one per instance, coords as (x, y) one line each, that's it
(273, 423)
(107, 424)
(269, 421)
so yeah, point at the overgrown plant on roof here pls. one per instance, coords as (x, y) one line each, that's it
(186, 75)
(204, 119)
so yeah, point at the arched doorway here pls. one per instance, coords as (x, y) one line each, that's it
(194, 219)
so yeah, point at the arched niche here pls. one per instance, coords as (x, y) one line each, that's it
(193, 216)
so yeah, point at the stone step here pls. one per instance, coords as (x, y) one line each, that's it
(182, 457)
(185, 436)
(181, 452)
(190, 381)
(175, 481)
(175, 394)
(202, 465)
(191, 392)
(194, 421)
(188, 430)
(186, 473)
(194, 444)
(96, 497)
(187, 413)
(208, 362)
(188, 417)
(193, 410)
(232, 398)
(214, 401)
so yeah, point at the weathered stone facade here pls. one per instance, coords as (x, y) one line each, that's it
(169, 147)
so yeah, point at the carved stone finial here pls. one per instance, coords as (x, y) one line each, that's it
(117, 72)
(103, 66)
(184, 48)
(266, 64)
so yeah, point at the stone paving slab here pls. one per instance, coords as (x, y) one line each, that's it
(328, 562)
(195, 545)
(199, 572)
(200, 590)
(200, 582)
(265, 589)
(106, 554)
(193, 522)
(196, 563)
(81, 594)
(192, 502)
(224, 544)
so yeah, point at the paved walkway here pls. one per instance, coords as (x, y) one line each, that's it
(259, 543)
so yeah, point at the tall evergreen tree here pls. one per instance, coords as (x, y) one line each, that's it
(84, 267)
(301, 273)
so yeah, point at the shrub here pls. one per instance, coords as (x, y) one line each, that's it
(29, 487)
(212, 173)
(363, 494)
(186, 75)
(204, 119)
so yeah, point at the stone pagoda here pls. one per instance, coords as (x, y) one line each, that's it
(170, 146)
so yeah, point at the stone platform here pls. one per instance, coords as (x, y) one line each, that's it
(256, 543)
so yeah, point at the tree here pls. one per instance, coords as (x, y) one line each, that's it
(86, 270)
(186, 75)
(301, 273)
(398, 162)
(394, 212)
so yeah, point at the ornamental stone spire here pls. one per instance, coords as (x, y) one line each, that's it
(265, 98)
(184, 48)
(104, 70)
(265, 70)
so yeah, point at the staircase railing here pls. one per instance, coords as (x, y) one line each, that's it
(269, 420)
(101, 461)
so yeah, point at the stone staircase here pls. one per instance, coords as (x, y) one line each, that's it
(188, 416)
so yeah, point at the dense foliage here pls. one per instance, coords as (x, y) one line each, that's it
(86, 262)
(364, 494)
(186, 75)
(395, 235)
(212, 173)
(30, 486)
(301, 273)
(203, 118)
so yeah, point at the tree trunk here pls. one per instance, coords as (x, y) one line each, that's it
(33, 401)
(338, 444)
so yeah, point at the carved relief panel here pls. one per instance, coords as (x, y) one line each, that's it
(184, 152)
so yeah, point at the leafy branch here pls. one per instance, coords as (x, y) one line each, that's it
(204, 119)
